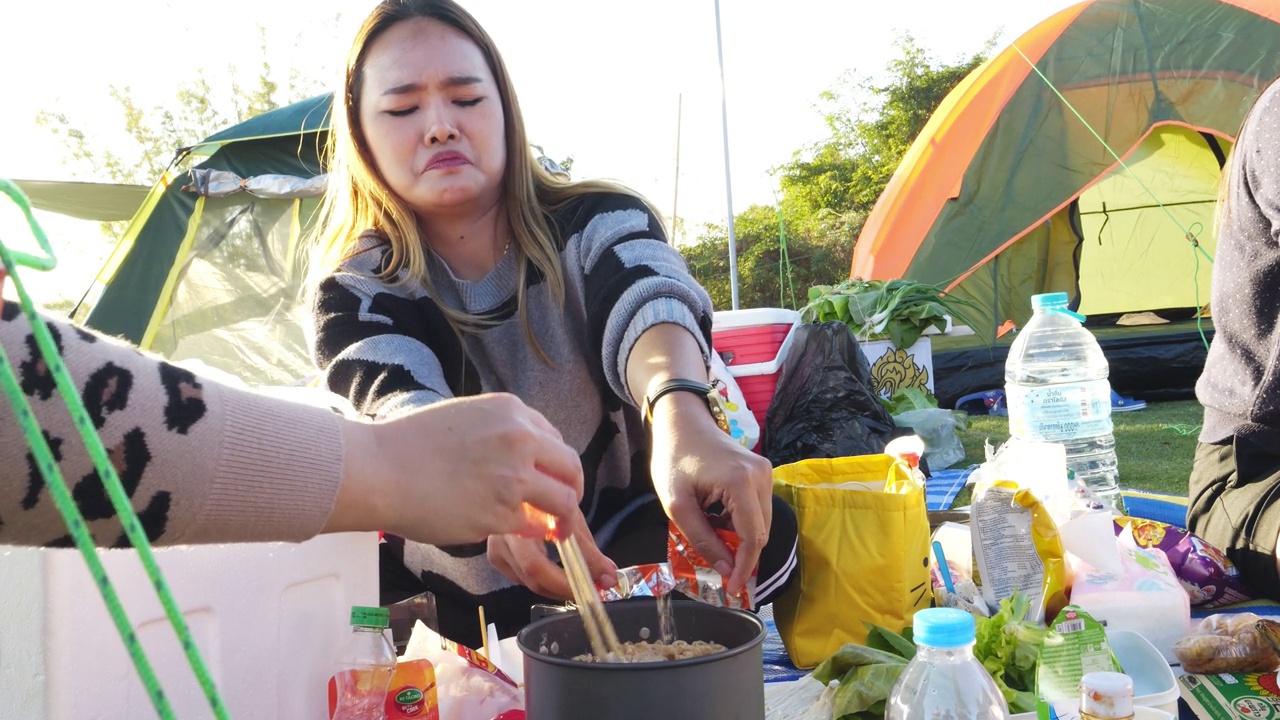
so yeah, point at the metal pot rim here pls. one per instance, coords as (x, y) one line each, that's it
(531, 652)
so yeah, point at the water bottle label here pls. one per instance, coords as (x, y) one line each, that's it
(1054, 413)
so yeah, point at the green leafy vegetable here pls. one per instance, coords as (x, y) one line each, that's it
(909, 398)
(900, 310)
(1009, 648)
(866, 673)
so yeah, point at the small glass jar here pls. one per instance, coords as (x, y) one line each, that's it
(1106, 696)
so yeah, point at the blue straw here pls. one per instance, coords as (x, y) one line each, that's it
(942, 567)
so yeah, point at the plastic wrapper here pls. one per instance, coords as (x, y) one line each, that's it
(654, 580)
(824, 405)
(468, 685)
(1230, 643)
(695, 577)
(937, 427)
(1204, 571)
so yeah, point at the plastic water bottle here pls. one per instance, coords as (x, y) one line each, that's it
(365, 667)
(944, 681)
(1057, 391)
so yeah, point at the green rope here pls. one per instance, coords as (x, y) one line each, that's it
(1191, 238)
(1182, 429)
(60, 493)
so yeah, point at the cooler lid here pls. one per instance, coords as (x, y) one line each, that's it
(753, 317)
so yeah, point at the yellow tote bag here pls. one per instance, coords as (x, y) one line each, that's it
(863, 552)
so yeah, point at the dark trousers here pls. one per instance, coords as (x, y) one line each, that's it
(1233, 494)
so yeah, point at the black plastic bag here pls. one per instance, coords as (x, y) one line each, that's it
(824, 405)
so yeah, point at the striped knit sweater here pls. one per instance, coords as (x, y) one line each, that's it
(387, 348)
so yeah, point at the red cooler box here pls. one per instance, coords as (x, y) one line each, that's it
(754, 344)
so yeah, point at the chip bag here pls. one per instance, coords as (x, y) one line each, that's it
(695, 577)
(1018, 548)
(1206, 574)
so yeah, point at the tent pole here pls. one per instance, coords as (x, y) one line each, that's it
(728, 184)
(675, 202)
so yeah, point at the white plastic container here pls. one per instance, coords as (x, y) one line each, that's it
(269, 620)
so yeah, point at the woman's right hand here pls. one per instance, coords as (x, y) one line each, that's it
(456, 472)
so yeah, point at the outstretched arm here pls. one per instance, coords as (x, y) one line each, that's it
(205, 462)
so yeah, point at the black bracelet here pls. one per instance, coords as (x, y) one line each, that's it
(674, 385)
(715, 404)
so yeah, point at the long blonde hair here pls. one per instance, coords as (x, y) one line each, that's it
(358, 198)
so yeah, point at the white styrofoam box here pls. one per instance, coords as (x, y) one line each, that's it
(893, 369)
(269, 620)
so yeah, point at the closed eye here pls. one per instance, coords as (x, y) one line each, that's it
(468, 103)
(402, 113)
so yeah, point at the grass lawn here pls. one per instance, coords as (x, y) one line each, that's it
(1154, 455)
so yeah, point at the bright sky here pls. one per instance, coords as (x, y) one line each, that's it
(604, 82)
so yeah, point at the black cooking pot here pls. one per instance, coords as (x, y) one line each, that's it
(728, 685)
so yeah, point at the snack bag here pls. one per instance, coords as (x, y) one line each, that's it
(1017, 548)
(1208, 576)
(743, 426)
(1075, 646)
(468, 685)
(695, 577)
(413, 692)
(654, 580)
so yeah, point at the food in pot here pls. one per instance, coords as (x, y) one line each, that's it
(658, 651)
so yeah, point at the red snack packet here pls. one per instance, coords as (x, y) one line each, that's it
(695, 577)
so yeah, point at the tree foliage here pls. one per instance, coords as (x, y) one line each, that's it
(829, 187)
(872, 123)
(153, 136)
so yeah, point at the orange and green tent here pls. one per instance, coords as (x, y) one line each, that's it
(1012, 188)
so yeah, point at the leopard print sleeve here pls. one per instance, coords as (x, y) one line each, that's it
(200, 461)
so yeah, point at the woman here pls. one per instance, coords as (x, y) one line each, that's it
(1236, 477)
(204, 462)
(458, 265)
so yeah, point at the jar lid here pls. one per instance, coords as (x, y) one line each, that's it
(1107, 695)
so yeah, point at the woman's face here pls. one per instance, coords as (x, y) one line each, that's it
(433, 119)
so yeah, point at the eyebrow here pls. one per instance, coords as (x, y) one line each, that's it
(452, 81)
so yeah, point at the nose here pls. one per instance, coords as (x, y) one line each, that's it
(440, 128)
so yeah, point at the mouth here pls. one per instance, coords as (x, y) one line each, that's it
(446, 160)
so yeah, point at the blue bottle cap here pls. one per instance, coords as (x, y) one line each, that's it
(1049, 300)
(943, 627)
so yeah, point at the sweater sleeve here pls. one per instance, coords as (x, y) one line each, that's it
(371, 343)
(201, 462)
(634, 279)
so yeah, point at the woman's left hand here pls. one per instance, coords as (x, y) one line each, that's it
(696, 464)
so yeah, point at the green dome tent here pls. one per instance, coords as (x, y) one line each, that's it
(1011, 188)
(209, 268)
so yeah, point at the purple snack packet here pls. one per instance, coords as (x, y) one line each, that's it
(1206, 574)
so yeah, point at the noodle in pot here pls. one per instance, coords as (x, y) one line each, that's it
(658, 651)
